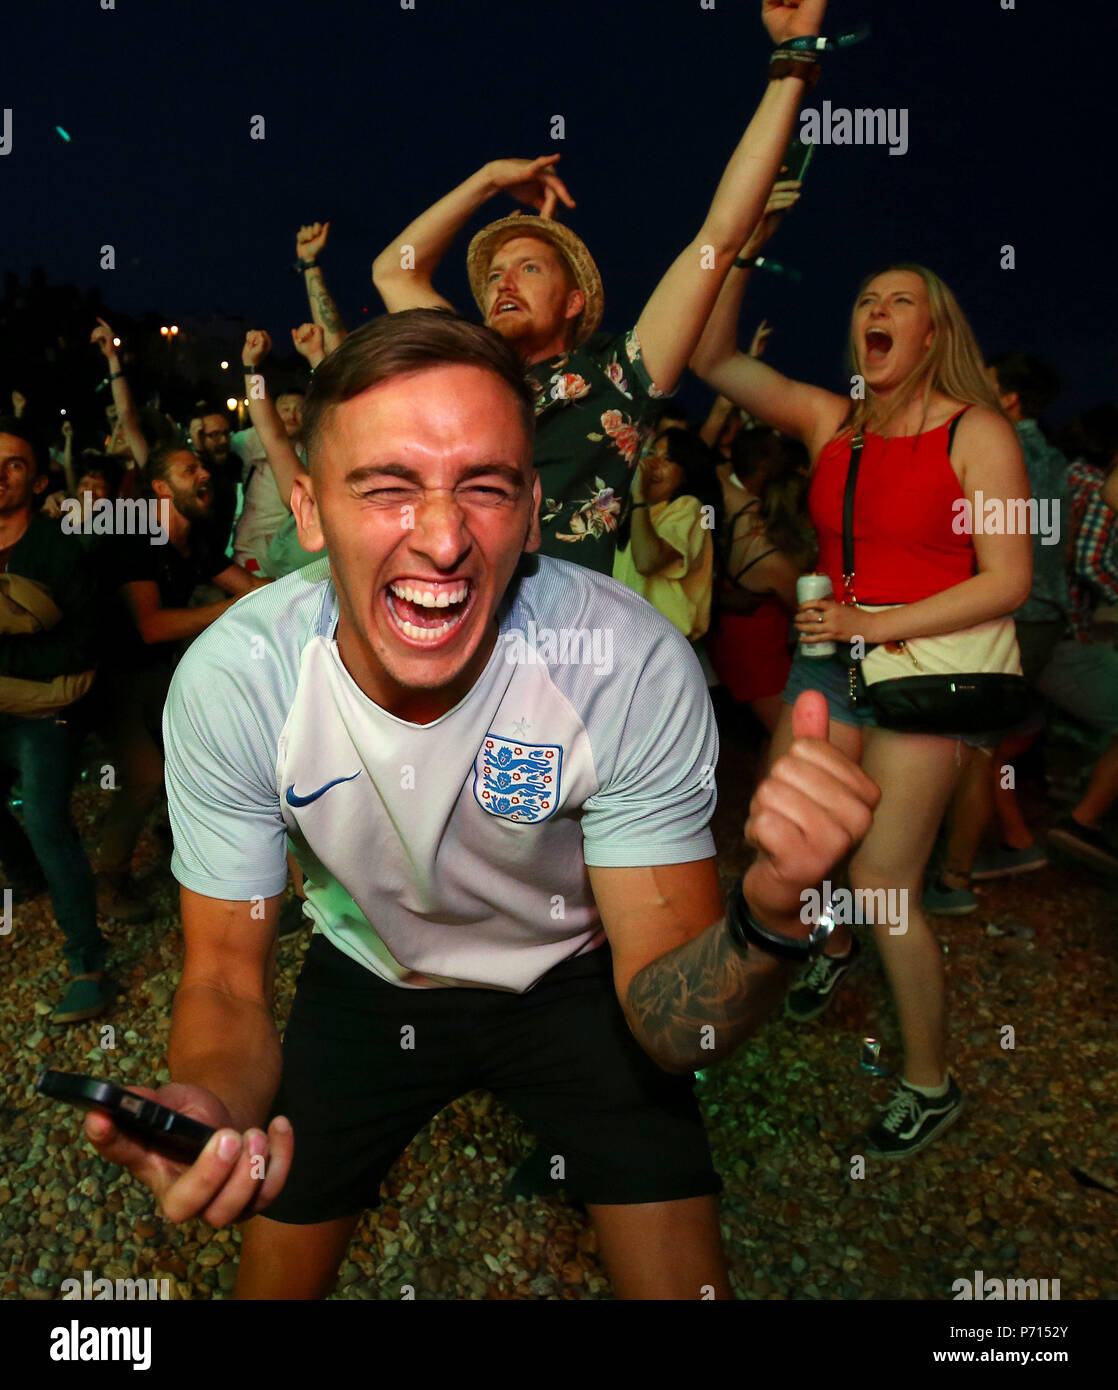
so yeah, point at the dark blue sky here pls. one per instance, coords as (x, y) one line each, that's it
(373, 111)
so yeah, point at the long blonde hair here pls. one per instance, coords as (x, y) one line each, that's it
(952, 365)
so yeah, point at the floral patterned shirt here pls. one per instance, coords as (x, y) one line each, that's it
(592, 408)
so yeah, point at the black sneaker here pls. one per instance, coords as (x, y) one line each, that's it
(1086, 843)
(911, 1121)
(815, 988)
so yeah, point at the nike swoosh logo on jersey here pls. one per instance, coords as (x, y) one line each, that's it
(293, 800)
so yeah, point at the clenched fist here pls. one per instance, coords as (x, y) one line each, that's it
(789, 19)
(257, 346)
(809, 812)
(310, 241)
(309, 342)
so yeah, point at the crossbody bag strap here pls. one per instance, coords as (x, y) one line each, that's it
(848, 519)
(952, 427)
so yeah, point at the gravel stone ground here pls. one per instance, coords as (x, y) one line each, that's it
(1025, 1185)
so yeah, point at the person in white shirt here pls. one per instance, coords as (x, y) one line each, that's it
(264, 510)
(497, 773)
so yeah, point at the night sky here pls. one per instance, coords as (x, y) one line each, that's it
(372, 112)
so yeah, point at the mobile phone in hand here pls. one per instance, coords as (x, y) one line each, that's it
(169, 1132)
(795, 161)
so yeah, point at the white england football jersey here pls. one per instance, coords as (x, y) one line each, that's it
(451, 853)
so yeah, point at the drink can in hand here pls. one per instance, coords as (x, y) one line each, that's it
(808, 587)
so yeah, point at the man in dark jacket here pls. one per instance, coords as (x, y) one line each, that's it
(40, 750)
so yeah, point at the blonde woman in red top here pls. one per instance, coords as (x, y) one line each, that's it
(934, 433)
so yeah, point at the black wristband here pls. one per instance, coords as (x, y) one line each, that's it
(250, 371)
(299, 266)
(816, 43)
(114, 376)
(634, 505)
(746, 931)
(745, 263)
(802, 65)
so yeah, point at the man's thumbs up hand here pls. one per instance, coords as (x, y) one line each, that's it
(809, 812)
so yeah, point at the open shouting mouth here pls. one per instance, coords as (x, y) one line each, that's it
(878, 345)
(428, 612)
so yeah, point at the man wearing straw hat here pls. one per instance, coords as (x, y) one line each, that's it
(537, 285)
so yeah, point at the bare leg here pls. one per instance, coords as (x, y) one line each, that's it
(282, 1261)
(916, 773)
(1102, 790)
(970, 812)
(1014, 831)
(669, 1250)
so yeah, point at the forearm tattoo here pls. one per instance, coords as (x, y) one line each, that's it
(694, 1004)
(323, 309)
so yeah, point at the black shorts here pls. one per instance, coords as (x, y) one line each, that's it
(561, 1056)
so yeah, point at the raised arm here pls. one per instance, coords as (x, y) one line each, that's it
(793, 407)
(650, 551)
(690, 994)
(68, 457)
(282, 458)
(310, 242)
(128, 417)
(404, 270)
(673, 319)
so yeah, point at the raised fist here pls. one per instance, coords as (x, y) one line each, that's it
(309, 342)
(310, 241)
(789, 19)
(102, 335)
(19, 403)
(67, 430)
(257, 346)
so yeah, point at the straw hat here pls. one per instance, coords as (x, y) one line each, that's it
(572, 248)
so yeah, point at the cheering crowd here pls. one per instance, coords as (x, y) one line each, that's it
(402, 515)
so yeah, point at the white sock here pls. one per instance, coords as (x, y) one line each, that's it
(932, 1092)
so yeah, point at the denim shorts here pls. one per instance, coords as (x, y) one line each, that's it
(828, 675)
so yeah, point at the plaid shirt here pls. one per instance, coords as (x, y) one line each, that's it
(1092, 547)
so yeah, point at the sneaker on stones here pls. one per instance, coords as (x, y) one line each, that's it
(815, 988)
(910, 1121)
(1085, 843)
(1003, 862)
(948, 902)
(86, 997)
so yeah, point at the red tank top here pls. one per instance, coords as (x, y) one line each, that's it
(905, 547)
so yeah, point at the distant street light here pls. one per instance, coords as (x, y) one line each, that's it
(225, 366)
(231, 403)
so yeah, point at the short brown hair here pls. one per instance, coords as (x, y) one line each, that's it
(158, 465)
(412, 341)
